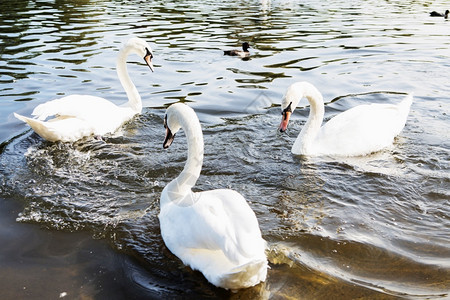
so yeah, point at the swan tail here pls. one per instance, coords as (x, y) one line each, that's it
(403, 109)
(405, 105)
(21, 118)
(39, 127)
(244, 276)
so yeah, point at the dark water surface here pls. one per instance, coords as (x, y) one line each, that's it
(79, 220)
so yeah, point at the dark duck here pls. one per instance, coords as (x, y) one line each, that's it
(242, 53)
(436, 14)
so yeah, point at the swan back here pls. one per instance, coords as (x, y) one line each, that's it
(362, 130)
(218, 235)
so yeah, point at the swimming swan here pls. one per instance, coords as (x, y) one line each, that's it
(360, 130)
(77, 116)
(215, 232)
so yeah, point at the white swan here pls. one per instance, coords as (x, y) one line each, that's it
(360, 130)
(215, 232)
(77, 116)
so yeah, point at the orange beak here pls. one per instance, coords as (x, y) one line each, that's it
(285, 121)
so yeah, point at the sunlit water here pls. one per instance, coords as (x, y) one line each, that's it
(373, 227)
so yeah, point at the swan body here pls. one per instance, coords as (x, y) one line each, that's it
(235, 52)
(77, 116)
(215, 232)
(361, 130)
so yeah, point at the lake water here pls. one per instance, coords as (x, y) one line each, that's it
(79, 221)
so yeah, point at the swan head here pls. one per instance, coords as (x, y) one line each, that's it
(172, 123)
(141, 48)
(180, 116)
(170, 135)
(286, 114)
(294, 93)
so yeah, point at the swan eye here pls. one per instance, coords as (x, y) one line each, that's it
(165, 121)
(287, 109)
(148, 53)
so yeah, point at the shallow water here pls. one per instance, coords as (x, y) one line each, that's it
(372, 227)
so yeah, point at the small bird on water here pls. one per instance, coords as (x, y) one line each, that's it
(240, 53)
(436, 14)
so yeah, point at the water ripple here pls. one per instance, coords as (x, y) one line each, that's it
(376, 226)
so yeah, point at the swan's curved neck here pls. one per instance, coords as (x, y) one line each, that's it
(311, 129)
(134, 99)
(179, 189)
